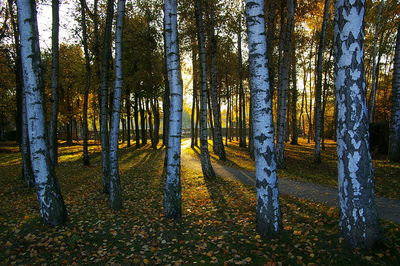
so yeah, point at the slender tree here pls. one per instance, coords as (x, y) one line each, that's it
(104, 76)
(318, 88)
(88, 75)
(358, 216)
(268, 212)
(242, 103)
(218, 146)
(206, 166)
(55, 6)
(172, 194)
(394, 137)
(294, 94)
(115, 190)
(283, 81)
(51, 203)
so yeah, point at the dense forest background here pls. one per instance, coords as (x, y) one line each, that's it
(144, 65)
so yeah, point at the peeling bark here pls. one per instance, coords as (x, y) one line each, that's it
(172, 194)
(115, 187)
(358, 216)
(51, 203)
(268, 212)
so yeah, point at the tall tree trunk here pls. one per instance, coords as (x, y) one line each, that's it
(206, 166)
(242, 105)
(166, 101)
(394, 133)
(150, 121)
(128, 115)
(53, 149)
(136, 118)
(318, 87)
(51, 203)
(375, 69)
(228, 107)
(210, 115)
(172, 195)
(88, 75)
(358, 216)
(268, 214)
(156, 114)
(294, 94)
(104, 76)
(283, 82)
(194, 98)
(115, 190)
(142, 121)
(218, 146)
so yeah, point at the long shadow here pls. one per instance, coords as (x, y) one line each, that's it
(216, 193)
(235, 171)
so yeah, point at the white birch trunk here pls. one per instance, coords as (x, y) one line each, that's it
(115, 190)
(268, 212)
(318, 88)
(206, 166)
(51, 204)
(172, 194)
(394, 137)
(358, 217)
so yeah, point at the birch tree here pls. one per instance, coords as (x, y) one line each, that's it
(394, 134)
(268, 212)
(358, 216)
(88, 74)
(55, 6)
(115, 190)
(51, 203)
(206, 166)
(172, 194)
(318, 89)
(283, 81)
(105, 59)
(218, 146)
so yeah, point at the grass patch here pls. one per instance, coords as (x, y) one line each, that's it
(218, 223)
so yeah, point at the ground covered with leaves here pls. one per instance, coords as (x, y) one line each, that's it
(217, 226)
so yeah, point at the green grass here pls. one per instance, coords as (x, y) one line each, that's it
(299, 166)
(218, 223)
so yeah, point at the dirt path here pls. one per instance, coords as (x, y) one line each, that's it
(388, 209)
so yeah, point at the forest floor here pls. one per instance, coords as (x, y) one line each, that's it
(301, 187)
(217, 225)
